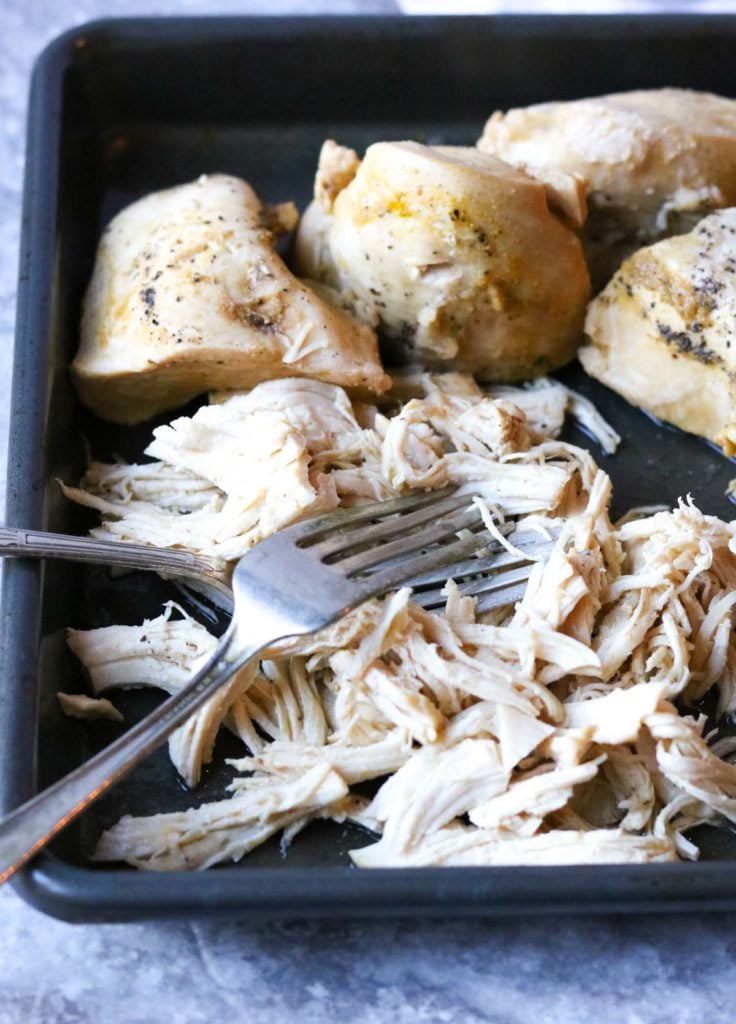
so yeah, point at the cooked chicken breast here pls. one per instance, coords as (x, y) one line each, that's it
(454, 256)
(654, 161)
(663, 332)
(188, 294)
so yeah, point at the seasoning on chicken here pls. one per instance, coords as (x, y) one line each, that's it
(653, 162)
(456, 258)
(188, 294)
(663, 332)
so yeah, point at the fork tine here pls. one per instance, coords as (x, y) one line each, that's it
(498, 580)
(377, 555)
(530, 543)
(387, 578)
(503, 595)
(490, 585)
(390, 527)
(309, 530)
(498, 559)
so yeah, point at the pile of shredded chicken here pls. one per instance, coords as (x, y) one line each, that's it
(541, 733)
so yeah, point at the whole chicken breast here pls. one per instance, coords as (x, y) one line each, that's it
(654, 161)
(188, 294)
(663, 331)
(456, 257)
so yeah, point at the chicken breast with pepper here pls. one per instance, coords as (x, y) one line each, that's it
(654, 161)
(455, 257)
(663, 332)
(188, 294)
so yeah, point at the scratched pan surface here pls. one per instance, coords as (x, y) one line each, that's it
(121, 108)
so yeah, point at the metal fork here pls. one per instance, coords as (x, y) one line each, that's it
(293, 583)
(477, 577)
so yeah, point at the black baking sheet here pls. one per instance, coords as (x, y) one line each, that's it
(120, 108)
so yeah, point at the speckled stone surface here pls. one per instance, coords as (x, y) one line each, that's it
(604, 970)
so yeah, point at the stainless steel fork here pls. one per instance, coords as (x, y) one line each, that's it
(494, 580)
(293, 583)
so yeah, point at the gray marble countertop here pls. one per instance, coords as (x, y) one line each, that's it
(636, 970)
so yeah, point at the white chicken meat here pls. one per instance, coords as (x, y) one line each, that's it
(663, 331)
(456, 257)
(189, 294)
(541, 733)
(651, 162)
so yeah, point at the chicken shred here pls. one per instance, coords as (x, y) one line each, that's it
(543, 732)
(79, 705)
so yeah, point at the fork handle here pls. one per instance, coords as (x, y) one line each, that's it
(37, 544)
(32, 825)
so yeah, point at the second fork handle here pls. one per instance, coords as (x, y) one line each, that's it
(20, 543)
(31, 826)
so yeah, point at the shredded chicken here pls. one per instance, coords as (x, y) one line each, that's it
(251, 464)
(543, 732)
(79, 705)
(163, 653)
(219, 831)
(476, 847)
